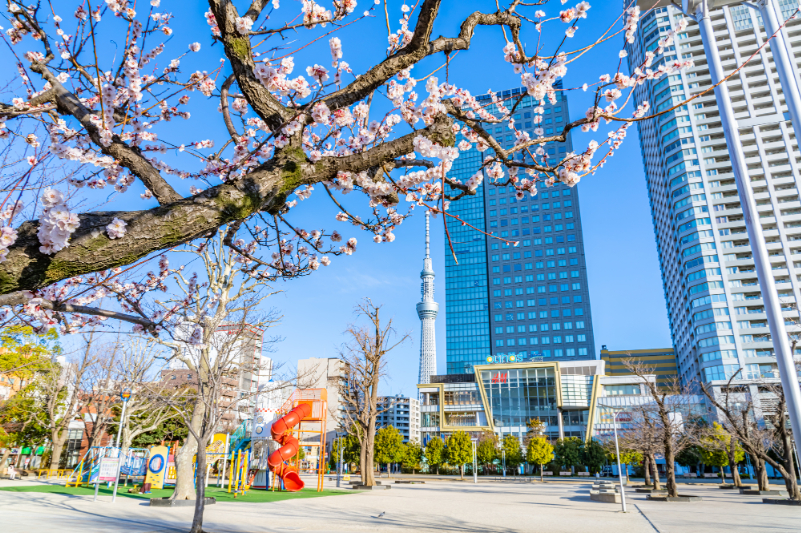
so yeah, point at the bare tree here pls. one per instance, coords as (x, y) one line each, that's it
(219, 337)
(671, 416)
(762, 430)
(100, 389)
(148, 406)
(205, 404)
(365, 365)
(642, 435)
(61, 390)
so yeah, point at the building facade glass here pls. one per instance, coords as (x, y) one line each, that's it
(714, 303)
(502, 398)
(529, 300)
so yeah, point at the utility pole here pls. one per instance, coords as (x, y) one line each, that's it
(124, 396)
(339, 462)
(475, 462)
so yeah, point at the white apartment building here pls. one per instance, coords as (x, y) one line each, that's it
(402, 413)
(714, 304)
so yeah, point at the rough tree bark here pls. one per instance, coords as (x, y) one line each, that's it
(58, 448)
(731, 452)
(657, 484)
(184, 483)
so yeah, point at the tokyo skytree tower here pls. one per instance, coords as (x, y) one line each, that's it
(427, 311)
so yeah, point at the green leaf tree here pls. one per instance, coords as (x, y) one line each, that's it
(534, 428)
(435, 453)
(593, 455)
(487, 449)
(413, 455)
(690, 457)
(513, 451)
(459, 450)
(24, 420)
(539, 451)
(170, 430)
(714, 448)
(568, 452)
(627, 457)
(350, 450)
(388, 446)
(25, 353)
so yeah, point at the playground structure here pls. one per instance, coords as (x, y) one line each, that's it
(303, 424)
(133, 464)
(241, 476)
(282, 434)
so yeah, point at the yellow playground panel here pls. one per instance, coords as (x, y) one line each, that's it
(46, 474)
(310, 432)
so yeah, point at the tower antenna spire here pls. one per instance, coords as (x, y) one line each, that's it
(427, 310)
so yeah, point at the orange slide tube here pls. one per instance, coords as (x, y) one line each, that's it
(289, 447)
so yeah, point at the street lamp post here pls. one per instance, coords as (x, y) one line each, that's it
(339, 461)
(619, 470)
(125, 396)
(475, 462)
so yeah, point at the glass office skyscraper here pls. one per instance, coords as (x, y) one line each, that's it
(714, 303)
(530, 300)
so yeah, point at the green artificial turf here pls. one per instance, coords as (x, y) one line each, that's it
(252, 496)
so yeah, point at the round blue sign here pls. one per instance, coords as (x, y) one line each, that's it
(156, 464)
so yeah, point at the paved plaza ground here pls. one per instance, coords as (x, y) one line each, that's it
(437, 506)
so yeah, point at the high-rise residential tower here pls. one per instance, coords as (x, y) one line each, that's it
(427, 310)
(714, 303)
(523, 301)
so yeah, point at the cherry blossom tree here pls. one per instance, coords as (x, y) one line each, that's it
(119, 123)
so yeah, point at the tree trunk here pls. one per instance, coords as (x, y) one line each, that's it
(735, 472)
(362, 463)
(368, 476)
(4, 460)
(58, 446)
(184, 483)
(461, 472)
(200, 488)
(761, 474)
(670, 468)
(657, 485)
(541, 474)
(627, 473)
(646, 467)
(790, 480)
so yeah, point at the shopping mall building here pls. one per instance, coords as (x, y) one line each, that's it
(572, 398)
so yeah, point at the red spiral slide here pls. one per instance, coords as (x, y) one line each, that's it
(289, 447)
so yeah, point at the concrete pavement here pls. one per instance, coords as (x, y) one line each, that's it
(435, 507)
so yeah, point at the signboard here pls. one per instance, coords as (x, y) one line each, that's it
(500, 377)
(107, 471)
(156, 467)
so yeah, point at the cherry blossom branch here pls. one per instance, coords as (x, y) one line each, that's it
(16, 299)
(129, 157)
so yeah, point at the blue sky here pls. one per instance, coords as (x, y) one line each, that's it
(625, 287)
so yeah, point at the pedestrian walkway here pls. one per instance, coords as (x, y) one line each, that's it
(427, 508)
